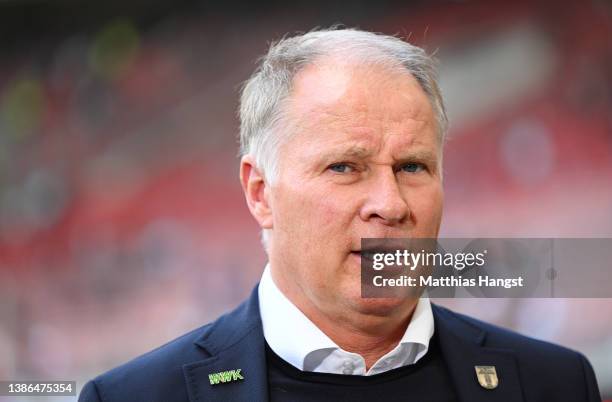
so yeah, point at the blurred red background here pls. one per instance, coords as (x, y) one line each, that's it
(122, 222)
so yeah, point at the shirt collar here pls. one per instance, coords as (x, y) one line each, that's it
(296, 339)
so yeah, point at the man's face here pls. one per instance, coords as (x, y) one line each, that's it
(363, 161)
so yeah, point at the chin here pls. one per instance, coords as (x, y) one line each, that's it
(379, 306)
(382, 306)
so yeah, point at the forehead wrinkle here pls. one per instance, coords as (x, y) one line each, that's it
(408, 144)
(398, 87)
(333, 116)
(411, 148)
(405, 110)
(357, 85)
(358, 141)
(353, 151)
(365, 116)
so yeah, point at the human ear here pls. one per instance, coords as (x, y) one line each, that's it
(256, 192)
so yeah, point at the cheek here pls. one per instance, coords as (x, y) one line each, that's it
(293, 214)
(330, 214)
(334, 212)
(313, 207)
(427, 209)
(317, 220)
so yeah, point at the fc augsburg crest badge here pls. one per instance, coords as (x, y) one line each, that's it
(487, 376)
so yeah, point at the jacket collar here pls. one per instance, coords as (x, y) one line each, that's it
(236, 341)
(463, 346)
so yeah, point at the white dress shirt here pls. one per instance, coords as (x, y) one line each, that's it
(298, 341)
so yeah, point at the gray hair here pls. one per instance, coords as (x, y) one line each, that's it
(263, 96)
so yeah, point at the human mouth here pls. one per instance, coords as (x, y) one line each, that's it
(368, 255)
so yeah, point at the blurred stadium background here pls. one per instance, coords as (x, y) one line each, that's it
(122, 223)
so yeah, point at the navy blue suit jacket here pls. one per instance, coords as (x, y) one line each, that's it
(528, 370)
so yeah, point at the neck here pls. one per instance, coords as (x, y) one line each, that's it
(363, 335)
(370, 332)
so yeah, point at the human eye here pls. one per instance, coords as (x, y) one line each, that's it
(341, 167)
(413, 167)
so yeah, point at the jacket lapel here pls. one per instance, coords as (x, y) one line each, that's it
(462, 346)
(235, 342)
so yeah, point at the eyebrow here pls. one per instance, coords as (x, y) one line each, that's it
(419, 155)
(362, 153)
(351, 152)
(356, 151)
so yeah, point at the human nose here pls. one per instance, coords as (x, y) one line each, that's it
(385, 201)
